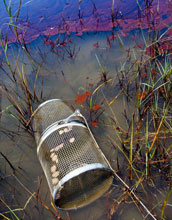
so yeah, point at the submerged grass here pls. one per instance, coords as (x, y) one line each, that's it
(165, 203)
(11, 211)
(28, 97)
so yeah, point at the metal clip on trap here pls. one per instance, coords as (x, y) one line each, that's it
(76, 169)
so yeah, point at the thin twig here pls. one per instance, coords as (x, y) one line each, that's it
(134, 195)
(10, 164)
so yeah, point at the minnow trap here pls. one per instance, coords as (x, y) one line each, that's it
(77, 171)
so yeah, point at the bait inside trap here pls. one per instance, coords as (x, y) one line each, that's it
(76, 170)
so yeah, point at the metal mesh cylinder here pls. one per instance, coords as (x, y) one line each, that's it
(76, 169)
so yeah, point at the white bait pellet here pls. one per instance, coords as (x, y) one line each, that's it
(61, 132)
(72, 140)
(52, 150)
(54, 158)
(52, 155)
(53, 169)
(70, 128)
(66, 130)
(55, 174)
(55, 181)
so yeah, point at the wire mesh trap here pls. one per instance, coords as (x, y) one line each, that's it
(77, 171)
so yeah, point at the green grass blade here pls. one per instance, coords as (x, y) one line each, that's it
(131, 151)
(5, 5)
(4, 216)
(165, 203)
(10, 209)
(10, 113)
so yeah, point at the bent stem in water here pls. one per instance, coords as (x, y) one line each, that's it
(134, 195)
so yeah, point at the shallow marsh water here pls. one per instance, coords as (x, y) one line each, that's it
(65, 70)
